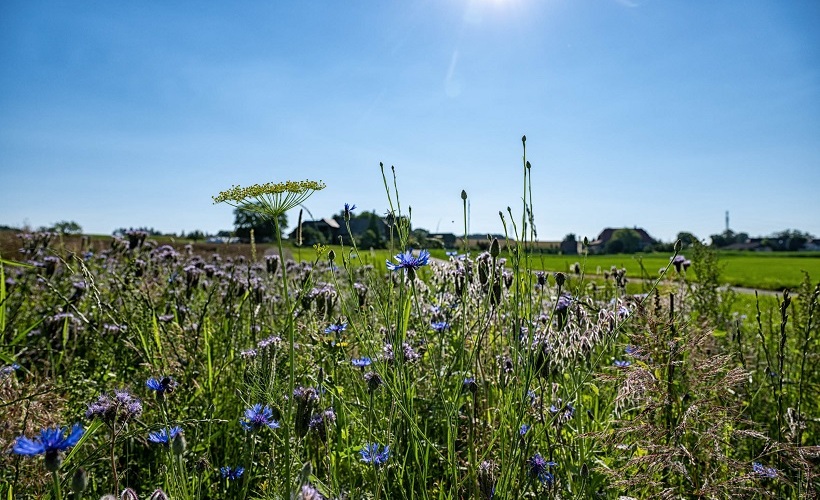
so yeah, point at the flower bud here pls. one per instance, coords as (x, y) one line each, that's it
(331, 255)
(178, 445)
(494, 248)
(560, 278)
(79, 481)
(158, 495)
(463, 194)
(678, 246)
(128, 494)
(53, 460)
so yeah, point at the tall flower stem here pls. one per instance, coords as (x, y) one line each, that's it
(55, 477)
(291, 360)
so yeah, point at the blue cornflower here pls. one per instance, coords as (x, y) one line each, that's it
(9, 369)
(539, 468)
(370, 454)
(523, 429)
(164, 436)
(362, 362)
(440, 326)
(621, 363)
(51, 441)
(348, 210)
(763, 471)
(231, 473)
(258, 416)
(408, 261)
(470, 384)
(336, 328)
(161, 386)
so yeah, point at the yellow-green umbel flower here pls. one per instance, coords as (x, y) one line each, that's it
(271, 199)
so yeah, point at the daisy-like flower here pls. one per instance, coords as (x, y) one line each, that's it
(258, 416)
(408, 261)
(164, 436)
(370, 454)
(231, 473)
(271, 199)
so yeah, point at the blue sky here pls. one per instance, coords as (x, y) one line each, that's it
(661, 115)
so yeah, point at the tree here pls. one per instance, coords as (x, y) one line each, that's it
(196, 235)
(67, 227)
(263, 228)
(687, 239)
(624, 241)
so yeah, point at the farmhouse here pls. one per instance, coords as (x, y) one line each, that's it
(600, 244)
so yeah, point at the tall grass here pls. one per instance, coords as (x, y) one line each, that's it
(331, 376)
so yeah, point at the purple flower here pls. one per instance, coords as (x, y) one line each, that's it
(258, 416)
(164, 436)
(370, 454)
(539, 468)
(763, 471)
(231, 473)
(563, 303)
(523, 429)
(680, 262)
(408, 261)
(51, 441)
(621, 363)
(374, 381)
(120, 405)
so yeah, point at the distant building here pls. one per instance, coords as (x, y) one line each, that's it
(599, 245)
(333, 229)
(813, 245)
(448, 240)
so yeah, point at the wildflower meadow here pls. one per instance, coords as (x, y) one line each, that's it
(144, 370)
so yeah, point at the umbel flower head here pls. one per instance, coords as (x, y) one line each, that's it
(271, 199)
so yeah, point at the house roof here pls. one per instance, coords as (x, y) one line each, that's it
(607, 233)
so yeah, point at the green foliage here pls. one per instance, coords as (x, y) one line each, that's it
(263, 228)
(484, 377)
(67, 227)
(626, 241)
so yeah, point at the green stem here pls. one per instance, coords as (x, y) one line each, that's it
(291, 361)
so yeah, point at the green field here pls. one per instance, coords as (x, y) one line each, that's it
(767, 271)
